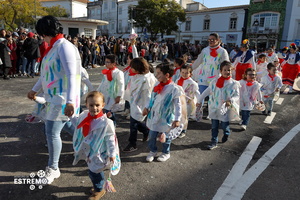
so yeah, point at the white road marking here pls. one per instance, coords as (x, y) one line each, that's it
(269, 119)
(238, 169)
(279, 101)
(286, 90)
(241, 186)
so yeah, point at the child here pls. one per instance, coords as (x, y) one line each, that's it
(164, 110)
(261, 67)
(178, 63)
(112, 85)
(142, 84)
(94, 141)
(271, 83)
(249, 94)
(223, 93)
(191, 91)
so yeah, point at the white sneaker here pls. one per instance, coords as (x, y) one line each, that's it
(51, 174)
(163, 157)
(244, 127)
(151, 156)
(128, 116)
(126, 112)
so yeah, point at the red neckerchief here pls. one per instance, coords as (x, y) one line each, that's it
(272, 76)
(213, 51)
(221, 80)
(249, 83)
(181, 80)
(86, 123)
(108, 73)
(52, 41)
(177, 68)
(270, 54)
(131, 73)
(259, 62)
(127, 68)
(161, 86)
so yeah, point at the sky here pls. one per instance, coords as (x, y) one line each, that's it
(222, 3)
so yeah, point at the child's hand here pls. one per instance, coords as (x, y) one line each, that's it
(112, 159)
(109, 115)
(277, 90)
(227, 103)
(117, 99)
(31, 95)
(175, 124)
(69, 110)
(145, 111)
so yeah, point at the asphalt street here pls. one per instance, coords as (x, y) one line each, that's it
(192, 172)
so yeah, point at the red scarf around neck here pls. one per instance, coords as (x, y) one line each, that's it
(127, 68)
(86, 123)
(52, 41)
(221, 80)
(249, 83)
(177, 68)
(272, 77)
(259, 62)
(131, 73)
(181, 80)
(213, 51)
(108, 73)
(270, 54)
(161, 86)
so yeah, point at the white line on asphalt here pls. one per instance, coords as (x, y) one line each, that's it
(238, 169)
(286, 90)
(241, 186)
(279, 101)
(269, 119)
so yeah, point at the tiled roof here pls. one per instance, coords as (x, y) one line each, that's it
(220, 8)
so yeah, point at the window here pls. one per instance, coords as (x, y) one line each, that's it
(188, 25)
(105, 5)
(98, 12)
(120, 26)
(92, 12)
(233, 22)
(88, 32)
(206, 24)
(128, 27)
(120, 10)
(266, 20)
(113, 5)
(112, 26)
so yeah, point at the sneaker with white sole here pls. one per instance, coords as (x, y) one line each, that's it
(151, 156)
(51, 174)
(163, 157)
(244, 127)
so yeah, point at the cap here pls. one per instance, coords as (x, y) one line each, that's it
(30, 34)
(2, 39)
(15, 34)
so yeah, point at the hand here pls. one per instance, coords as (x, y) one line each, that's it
(112, 159)
(277, 90)
(69, 109)
(31, 95)
(227, 103)
(117, 99)
(175, 124)
(108, 114)
(145, 111)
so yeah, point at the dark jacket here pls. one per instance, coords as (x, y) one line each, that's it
(31, 48)
(5, 57)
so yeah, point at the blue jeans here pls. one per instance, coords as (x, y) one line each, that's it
(97, 180)
(245, 117)
(24, 64)
(201, 90)
(53, 130)
(269, 104)
(30, 66)
(215, 130)
(136, 126)
(152, 142)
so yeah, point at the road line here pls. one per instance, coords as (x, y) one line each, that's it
(279, 101)
(241, 186)
(238, 169)
(286, 90)
(269, 119)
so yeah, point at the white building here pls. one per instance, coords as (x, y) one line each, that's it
(228, 22)
(291, 29)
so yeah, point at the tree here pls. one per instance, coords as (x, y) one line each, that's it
(57, 11)
(15, 13)
(158, 16)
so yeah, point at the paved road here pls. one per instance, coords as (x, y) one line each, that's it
(191, 173)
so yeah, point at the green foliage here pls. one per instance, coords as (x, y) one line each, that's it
(158, 16)
(56, 11)
(16, 13)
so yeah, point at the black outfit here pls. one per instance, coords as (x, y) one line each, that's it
(5, 58)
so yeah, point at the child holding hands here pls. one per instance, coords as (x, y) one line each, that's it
(223, 93)
(164, 110)
(94, 141)
(249, 94)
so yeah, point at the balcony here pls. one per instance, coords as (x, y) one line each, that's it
(262, 30)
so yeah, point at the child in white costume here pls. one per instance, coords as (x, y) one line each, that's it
(112, 84)
(223, 92)
(271, 83)
(178, 63)
(261, 67)
(191, 91)
(94, 141)
(142, 83)
(249, 95)
(164, 110)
